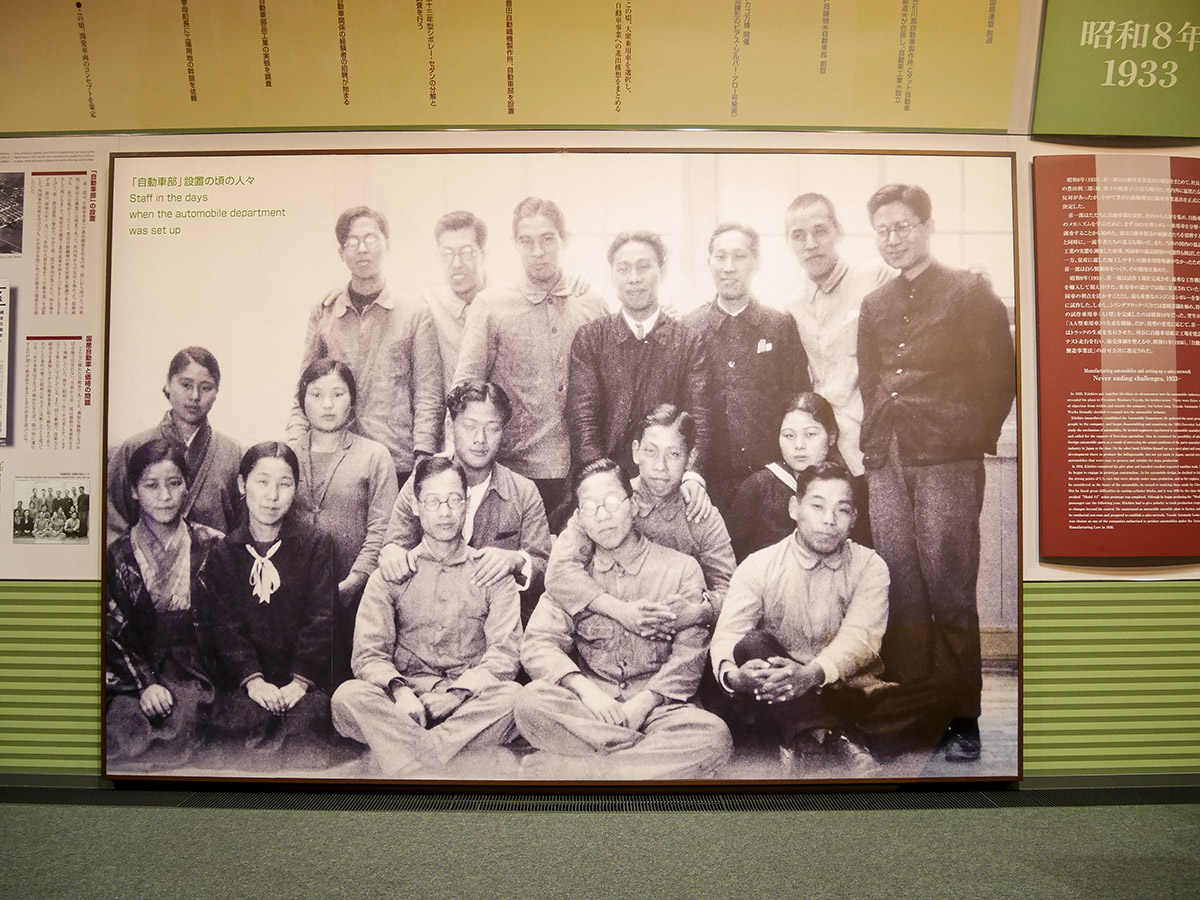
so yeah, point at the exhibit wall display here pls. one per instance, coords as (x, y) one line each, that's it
(53, 225)
(1104, 651)
(241, 255)
(1119, 332)
(1129, 67)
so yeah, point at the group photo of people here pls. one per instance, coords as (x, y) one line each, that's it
(562, 466)
(47, 510)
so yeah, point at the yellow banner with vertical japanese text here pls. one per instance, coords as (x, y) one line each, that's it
(201, 65)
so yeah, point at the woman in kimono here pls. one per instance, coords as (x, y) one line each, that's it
(158, 689)
(193, 379)
(808, 435)
(347, 488)
(269, 591)
(19, 519)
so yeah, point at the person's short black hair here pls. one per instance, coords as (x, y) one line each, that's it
(460, 219)
(599, 467)
(200, 357)
(912, 196)
(536, 206)
(668, 415)
(429, 466)
(156, 451)
(346, 219)
(649, 238)
(814, 199)
(319, 368)
(750, 233)
(478, 392)
(269, 450)
(826, 471)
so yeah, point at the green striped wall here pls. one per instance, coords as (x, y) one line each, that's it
(1111, 678)
(50, 677)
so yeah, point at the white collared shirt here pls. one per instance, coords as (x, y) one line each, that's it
(475, 495)
(647, 326)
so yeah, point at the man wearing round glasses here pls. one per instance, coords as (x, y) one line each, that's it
(461, 240)
(938, 376)
(388, 341)
(606, 702)
(434, 656)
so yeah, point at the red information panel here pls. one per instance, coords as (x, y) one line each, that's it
(1118, 306)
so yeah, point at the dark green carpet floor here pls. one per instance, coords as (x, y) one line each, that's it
(115, 844)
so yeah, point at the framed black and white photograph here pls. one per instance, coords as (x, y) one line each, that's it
(51, 510)
(12, 212)
(576, 466)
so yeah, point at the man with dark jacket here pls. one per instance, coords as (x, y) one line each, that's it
(755, 363)
(938, 376)
(626, 364)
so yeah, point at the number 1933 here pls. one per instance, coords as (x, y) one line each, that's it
(1147, 74)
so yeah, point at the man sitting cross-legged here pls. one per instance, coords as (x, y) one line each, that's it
(796, 646)
(606, 702)
(435, 656)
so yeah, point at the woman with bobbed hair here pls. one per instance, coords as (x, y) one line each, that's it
(347, 488)
(808, 435)
(193, 379)
(268, 594)
(158, 686)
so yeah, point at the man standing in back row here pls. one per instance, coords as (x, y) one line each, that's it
(756, 363)
(519, 335)
(625, 365)
(826, 308)
(461, 239)
(389, 343)
(938, 377)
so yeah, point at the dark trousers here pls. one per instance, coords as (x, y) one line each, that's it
(255, 739)
(722, 490)
(132, 737)
(925, 523)
(556, 500)
(888, 719)
(344, 617)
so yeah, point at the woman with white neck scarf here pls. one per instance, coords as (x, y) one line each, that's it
(269, 592)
